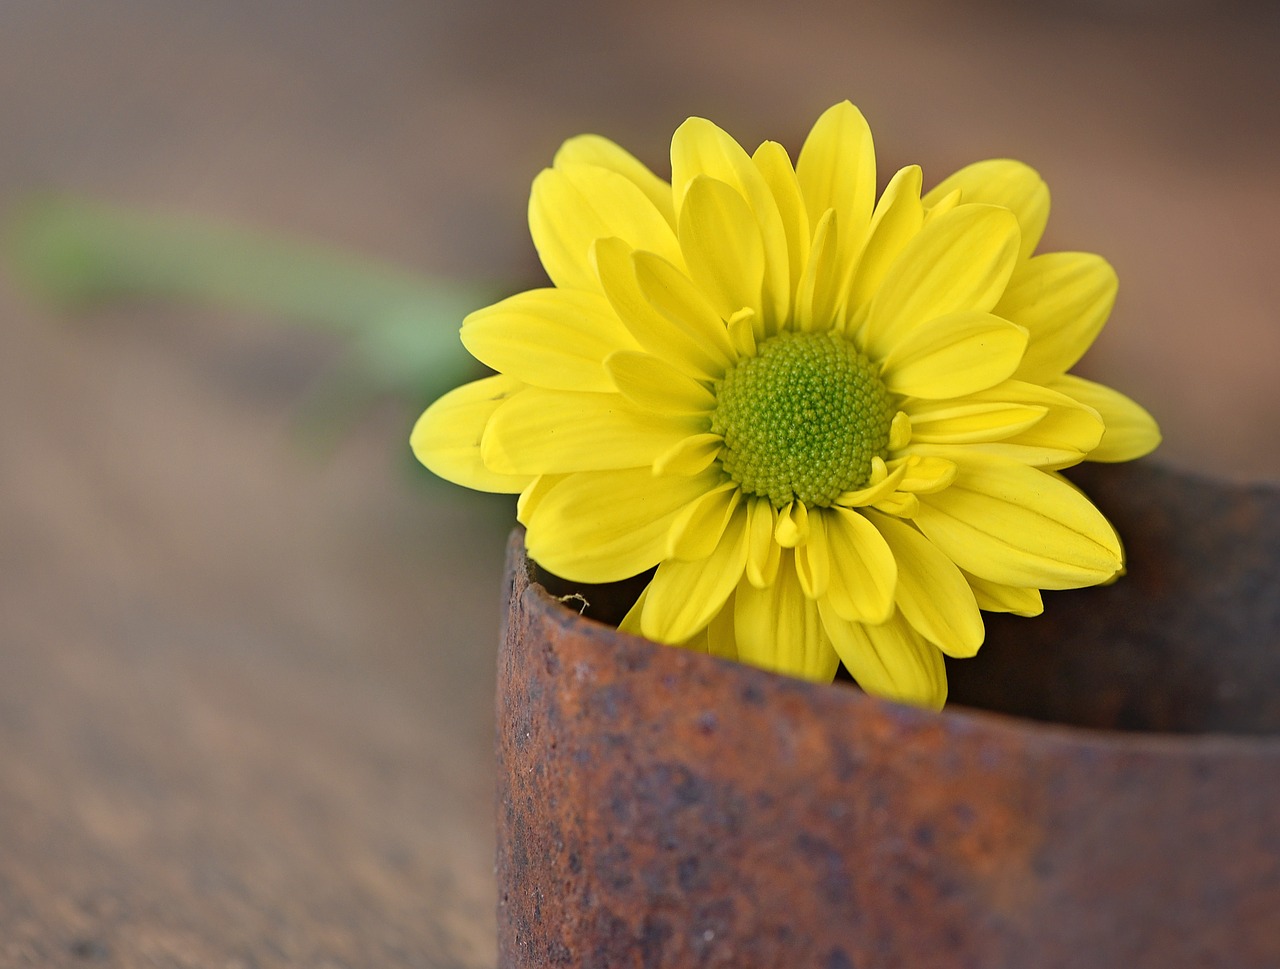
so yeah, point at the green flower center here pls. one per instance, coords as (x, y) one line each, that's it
(802, 419)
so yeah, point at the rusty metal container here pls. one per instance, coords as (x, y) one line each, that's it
(1103, 789)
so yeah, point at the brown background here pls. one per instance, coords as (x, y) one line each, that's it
(245, 691)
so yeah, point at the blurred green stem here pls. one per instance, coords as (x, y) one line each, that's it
(404, 327)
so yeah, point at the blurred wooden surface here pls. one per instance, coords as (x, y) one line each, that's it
(245, 692)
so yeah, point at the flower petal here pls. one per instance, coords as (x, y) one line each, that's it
(608, 525)
(742, 333)
(555, 338)
(1001, 181)
(926, 475)
(655, 385)
(533, 494)
(1020, 526)
(1063, 299)
(863, 570)
(631, 621)
(763, 553)
(702, 148)
(931, 592)
(446, 438)
(882, 483)
(1130, 431)
(553, 431)
(901, 504)
(722, 246)
(774, 164)
(691, 455)
(837, 170)
(793, 525)
(899, 431)
(954, 355)
(897, 218)
(684, 596)
(958, 262)
(936, 209)
(1061, 438)
(778, 628)
(603, 153)
(813, 560)
(969, 421)
(715, 638)
(700, 526)
(678, 298)
(699, 148)
(818, 298)
(721, 640)
(680, 343)
(573, 206)
(890, 660)
(994, 597)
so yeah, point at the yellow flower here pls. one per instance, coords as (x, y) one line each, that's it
(832, 423)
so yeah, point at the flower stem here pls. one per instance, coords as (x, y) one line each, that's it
(78, 253)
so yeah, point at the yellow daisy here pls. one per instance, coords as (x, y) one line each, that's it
(833, 423)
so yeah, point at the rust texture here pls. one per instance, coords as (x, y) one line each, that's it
(662, 808)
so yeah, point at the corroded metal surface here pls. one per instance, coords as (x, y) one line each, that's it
(660, 808)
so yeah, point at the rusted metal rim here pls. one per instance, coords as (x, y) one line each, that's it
(658, 807)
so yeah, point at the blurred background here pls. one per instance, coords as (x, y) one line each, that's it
(245, 683)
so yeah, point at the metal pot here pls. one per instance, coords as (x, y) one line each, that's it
(1115, 802)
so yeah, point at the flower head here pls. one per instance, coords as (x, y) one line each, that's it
(833, 423)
